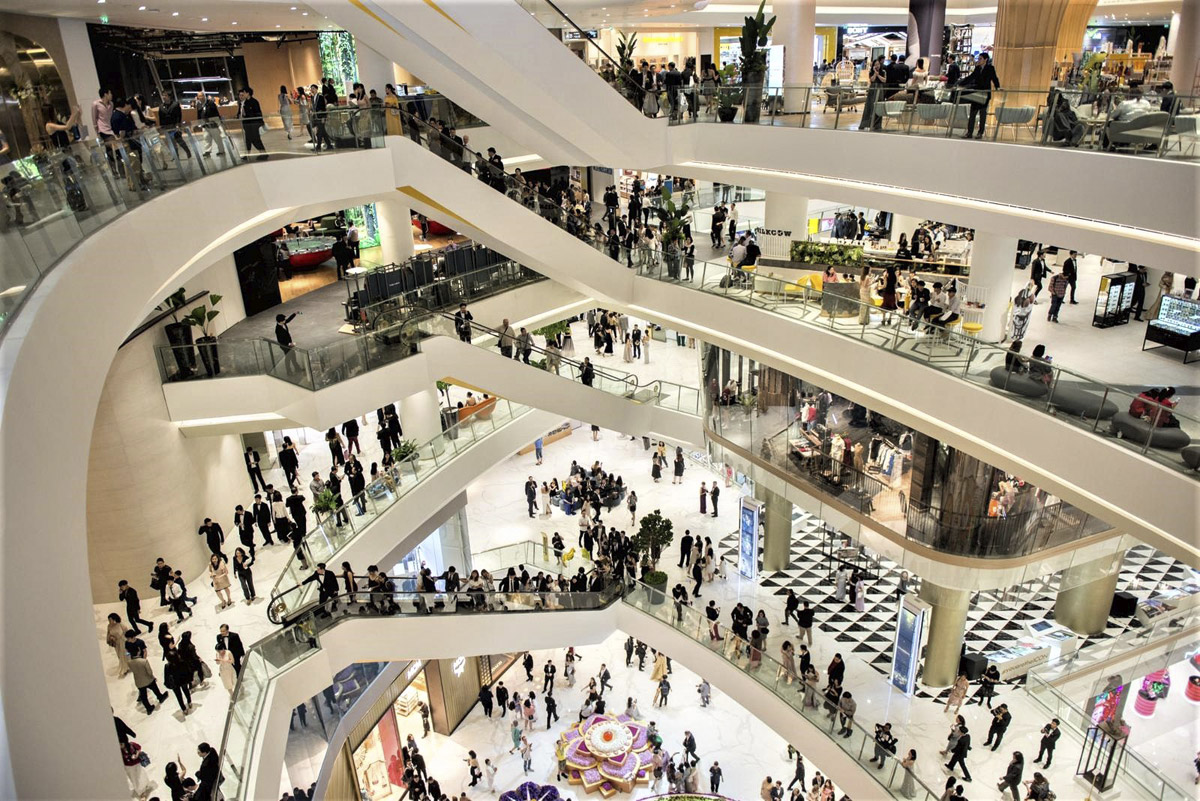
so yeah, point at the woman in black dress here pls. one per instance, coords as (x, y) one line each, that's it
(678, 479)
(656, 468)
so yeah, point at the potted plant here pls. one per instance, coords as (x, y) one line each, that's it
(201, 317)
(179, 333)
(654, 534)
(626, 44)
(756, 33)
(728, 95)
(656, 586)
(406, 451)
(672, 221)
(749, 402)
(325, 503)
(443, 388)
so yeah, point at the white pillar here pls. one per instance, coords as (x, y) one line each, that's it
(395, 230)
(80, 66)
(787, 212)
(795, 27)
(421, 419)
(374, 70)
(992, 261)
(1187, 47)
(902, 224)
(1172, 33)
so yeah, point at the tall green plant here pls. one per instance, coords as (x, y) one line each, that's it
(202, 316)
(672, 218)
(756, 33)
(626, 44)
(654, 535)
(173, 303)
(553, 329)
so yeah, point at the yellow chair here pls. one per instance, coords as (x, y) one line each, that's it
(972, 329)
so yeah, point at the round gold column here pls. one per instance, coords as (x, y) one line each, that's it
(947, 624)
(1085, 595)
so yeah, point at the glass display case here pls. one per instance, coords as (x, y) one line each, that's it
(1177, 325)
(1114, 300)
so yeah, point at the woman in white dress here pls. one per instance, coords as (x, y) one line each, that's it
(545, 493)
(285, 110)
(302, 106)
(225, 669)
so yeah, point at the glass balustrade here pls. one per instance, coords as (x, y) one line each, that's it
(301, 638)
(55, 197)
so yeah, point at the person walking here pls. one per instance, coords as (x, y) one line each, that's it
(1058, 292)
(526, 754)
(133, 606)
(551, 710)
(143, 674)
(114, 637)
(485, 699)
(251, 115)
(1011, 780)
(804, 621)
(254, 469)
(225, 669)
(714, 777)
(1070, 270)
(1000, 722)
(959, 754)
(705, 690)
(218, 576)
(1050, 735)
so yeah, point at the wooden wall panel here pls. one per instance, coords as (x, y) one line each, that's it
(1026, 37)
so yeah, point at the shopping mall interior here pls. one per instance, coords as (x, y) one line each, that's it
(762, 461)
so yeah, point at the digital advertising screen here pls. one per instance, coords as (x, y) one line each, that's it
(751, 513)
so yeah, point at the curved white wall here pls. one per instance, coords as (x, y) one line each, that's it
(60, 337)
(533, 88)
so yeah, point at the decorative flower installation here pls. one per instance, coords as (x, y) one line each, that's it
(532, 791)
(607, 753)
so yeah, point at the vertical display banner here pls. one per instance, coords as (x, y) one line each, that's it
(906, 650)
(751, 513)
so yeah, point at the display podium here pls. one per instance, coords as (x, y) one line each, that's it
(1177, 325)
(1114, 300)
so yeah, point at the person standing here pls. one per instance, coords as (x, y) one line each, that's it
(957, 693)
(847, 706)
(252, 467)
(531, 495)
(283, 336)
(114, 637)
(978, 86)
(685, 547)
(1001, 718)
(526, 754)
(987, 686)
(350, 432)
(714, 493)
(1139, 290)
(548, 672)
(705, 690)
(551, 710)
(1050, 735)
(1037, 272)
(1070, 269)
(231, 642)
(251, 115)
(804, 621)
(502, 698)
(262, 518)
(207, 774)
(908, 787)
(462, 322)
(1058, 292)
(133, 606)
(714, 777)
(285, 110)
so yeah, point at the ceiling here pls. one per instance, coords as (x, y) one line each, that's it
(269, 15)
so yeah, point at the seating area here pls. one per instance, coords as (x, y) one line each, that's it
(1126, 426)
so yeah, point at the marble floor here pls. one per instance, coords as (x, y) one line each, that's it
(497, 516)
(747, 750)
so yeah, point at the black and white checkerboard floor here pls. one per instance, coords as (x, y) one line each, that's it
(996, 619)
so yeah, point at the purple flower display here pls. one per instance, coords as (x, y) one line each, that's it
(607, 753)
(532, 791)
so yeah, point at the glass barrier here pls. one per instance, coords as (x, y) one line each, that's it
(334, 528)
(301, 638)
(54, 197)
(1154, 429)
(270, 657)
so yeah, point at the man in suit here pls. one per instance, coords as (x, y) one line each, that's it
(133, 606)
(262, 516)
(531, 495)
(327, 587)
(959, 755)
(283, 335)
(1070, 269)
(213, 536)
(1037, 272)
(243, 521)
(981, 80)
(250, 113)
(350, 432)
(231, 642)
(208, 772)
(252, 467)
(1050, 735)
(320, 107)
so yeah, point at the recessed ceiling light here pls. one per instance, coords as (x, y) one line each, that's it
(278, 26)
(100, 2)
(293, 8)
(233, 23)
(204, 19)
(304, 13)
(141, 8)
(174, 13)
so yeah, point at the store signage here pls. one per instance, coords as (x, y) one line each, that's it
(748, 539)
(458, 666)
(573, 36)
(855, 30)
(910, 626)
(413, 669)
(771, 232)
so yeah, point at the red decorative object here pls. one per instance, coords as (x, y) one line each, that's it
(1193, 689)
(1144, 704)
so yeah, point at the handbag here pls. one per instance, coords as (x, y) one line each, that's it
(978, 98)
(205, 670)
(144, 759)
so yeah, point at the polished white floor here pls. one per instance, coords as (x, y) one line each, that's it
(747, 750)
(497, 516)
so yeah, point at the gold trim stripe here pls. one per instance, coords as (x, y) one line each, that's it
(361, 6)
(416, 194)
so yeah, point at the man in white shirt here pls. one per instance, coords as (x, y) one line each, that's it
(738, 253)
(1132, 108)
(352, 237)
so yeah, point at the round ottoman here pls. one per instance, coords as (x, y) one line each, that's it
(1125, 425)
(972, 329)
(1081, 403)
(1191, 456)
(1017, 383)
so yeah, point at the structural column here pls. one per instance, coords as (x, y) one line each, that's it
(777, 529)
(1072, 29)
(374, 70)
(902, 224)
(992, 260)
(926, 23)
(1186, 36)
(795, 27)
(395, 230)
(947, 624)
(786, 212)
(1085, 594)
(421, 419)
(1026, 39)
